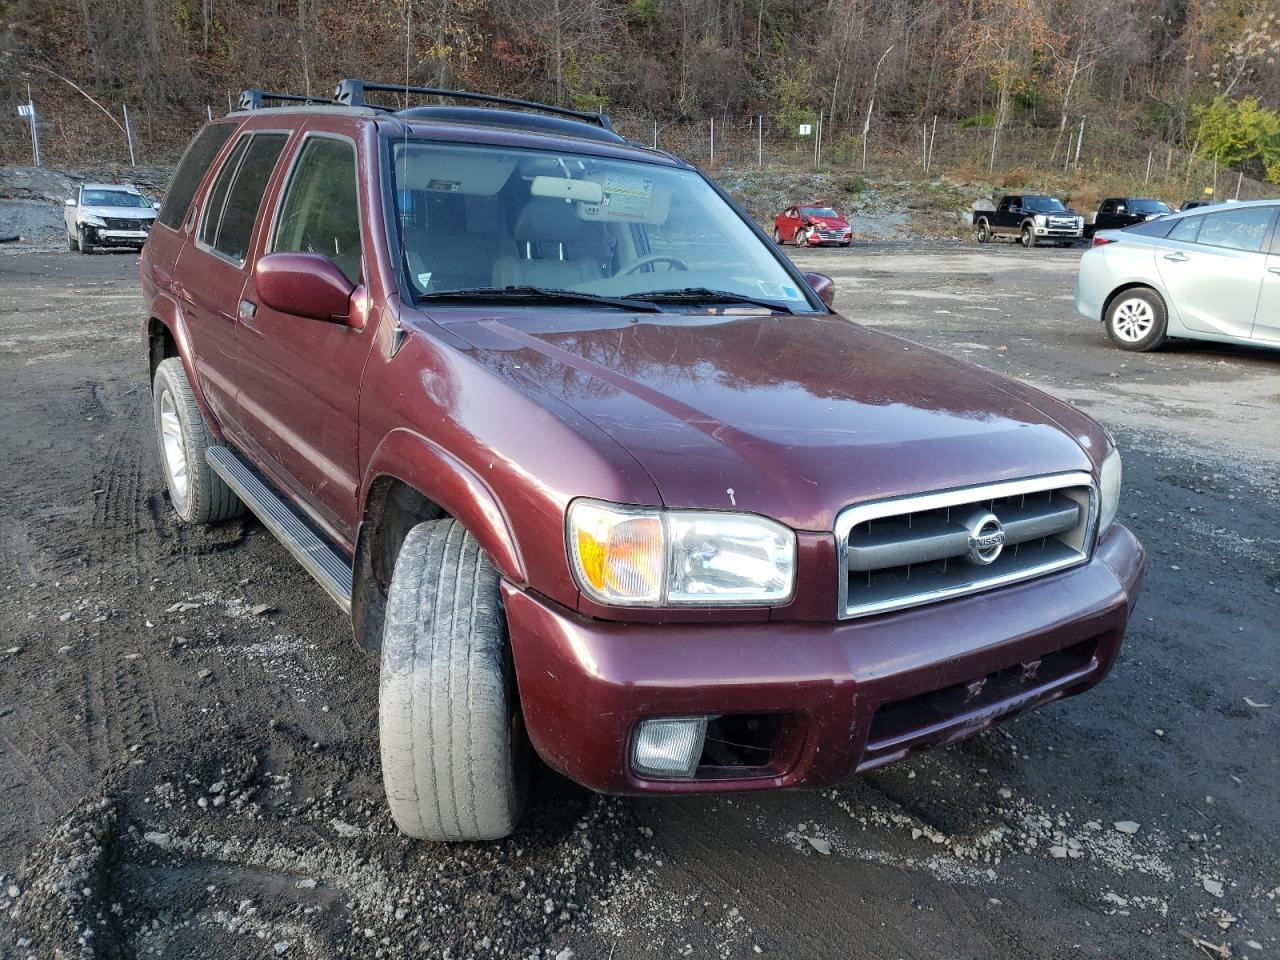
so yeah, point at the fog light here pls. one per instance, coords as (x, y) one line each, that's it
(669, 747)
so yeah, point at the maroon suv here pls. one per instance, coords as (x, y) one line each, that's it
(597, 471)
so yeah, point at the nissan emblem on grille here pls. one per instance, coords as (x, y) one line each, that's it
(986, 538)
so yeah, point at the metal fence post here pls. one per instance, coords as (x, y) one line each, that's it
(128, 136)
(35, 129)
(712, 161)
(1146, 178)
(1239, 181)
(655, 134)
(208, 111)
(1079, 141)
(817, 144)
(760, 140)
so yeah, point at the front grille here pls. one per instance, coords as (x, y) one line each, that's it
(116, 223)
(914, 550)
(1062, 223)
(831, 234)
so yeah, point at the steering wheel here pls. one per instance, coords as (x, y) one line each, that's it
(675, 262)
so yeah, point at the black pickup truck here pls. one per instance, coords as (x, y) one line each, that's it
(1031, 219)
(1116, 213)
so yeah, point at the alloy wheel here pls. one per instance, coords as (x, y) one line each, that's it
(1133, 320)
(175, 452)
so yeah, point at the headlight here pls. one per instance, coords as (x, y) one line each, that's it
(642, 556)
(1109, 491)
(93, 221)
(1040, 219)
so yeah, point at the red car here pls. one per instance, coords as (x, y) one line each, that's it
(594, 488)
(811, 225)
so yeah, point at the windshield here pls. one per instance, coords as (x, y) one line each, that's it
(1149, 206)
(479, 219)
(1043, 204)
(113, 198)
(818, 212)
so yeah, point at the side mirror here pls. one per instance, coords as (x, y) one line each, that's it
(155, 204)
(70, 202)
(304, 285)
(823, 286)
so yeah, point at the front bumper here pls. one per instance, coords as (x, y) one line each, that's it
(842, 697)
(106, 237)
(1059, 233)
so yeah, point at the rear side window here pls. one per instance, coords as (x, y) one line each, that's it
(241, 211)
(191, 170)
(320, 212)
(1154, 228)
(233, 203)
(1242, 229)
(1186, 229)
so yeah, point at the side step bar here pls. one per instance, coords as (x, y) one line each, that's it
(318, 558)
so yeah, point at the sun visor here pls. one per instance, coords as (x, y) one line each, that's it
(628, 199)
(442, 171)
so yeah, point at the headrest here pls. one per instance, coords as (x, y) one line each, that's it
(545, 218)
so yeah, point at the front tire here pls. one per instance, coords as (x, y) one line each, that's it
(983, 233)
(197, 493)
(1137, 320)
(454, 751)
(801, 238)
(85, 244)
(1028, 237)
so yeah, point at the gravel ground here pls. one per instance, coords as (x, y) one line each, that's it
(188, 760)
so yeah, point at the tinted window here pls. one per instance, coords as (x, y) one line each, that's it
(1149, 206)
(1154, 228)
(191, 170)
(320, 213)
(1186, 229)
(1043, 204)
(229, 230)
(217, 197)
(1242, 229)
(1107, 206)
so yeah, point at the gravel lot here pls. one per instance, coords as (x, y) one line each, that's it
(188, 759)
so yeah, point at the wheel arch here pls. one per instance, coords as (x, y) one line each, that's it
(1135, 285)
(165, 335)
(409, 480)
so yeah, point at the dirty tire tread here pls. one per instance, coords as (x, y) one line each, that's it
(209, 499)
(446, 698)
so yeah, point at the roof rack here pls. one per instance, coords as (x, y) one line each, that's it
(257, 99)
(351, 93)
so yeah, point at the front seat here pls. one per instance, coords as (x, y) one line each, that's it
(546, 232)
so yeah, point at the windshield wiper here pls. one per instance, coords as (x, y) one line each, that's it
(542, 294)
(705, 295)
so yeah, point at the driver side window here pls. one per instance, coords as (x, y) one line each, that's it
(321, 212)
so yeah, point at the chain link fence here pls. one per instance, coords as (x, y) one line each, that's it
(76, 133)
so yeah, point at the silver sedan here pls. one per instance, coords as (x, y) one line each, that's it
(1208, 274)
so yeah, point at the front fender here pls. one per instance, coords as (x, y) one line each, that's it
(439, 476)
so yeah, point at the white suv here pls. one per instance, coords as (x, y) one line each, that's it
(108, 215)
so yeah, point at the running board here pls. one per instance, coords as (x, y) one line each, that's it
(317, 557)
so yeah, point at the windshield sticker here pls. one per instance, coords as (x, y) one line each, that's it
(625, 196)
(424, 280)
(444, 186)
(778, 291)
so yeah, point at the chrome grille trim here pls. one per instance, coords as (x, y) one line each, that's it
(940, 541)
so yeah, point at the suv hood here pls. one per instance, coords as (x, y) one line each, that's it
(793, 417)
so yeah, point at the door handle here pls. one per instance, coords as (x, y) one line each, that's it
(247, 309)
(1177, 257)
(1273, 269)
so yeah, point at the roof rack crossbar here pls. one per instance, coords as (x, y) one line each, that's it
(256, 99)
(351, 93)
